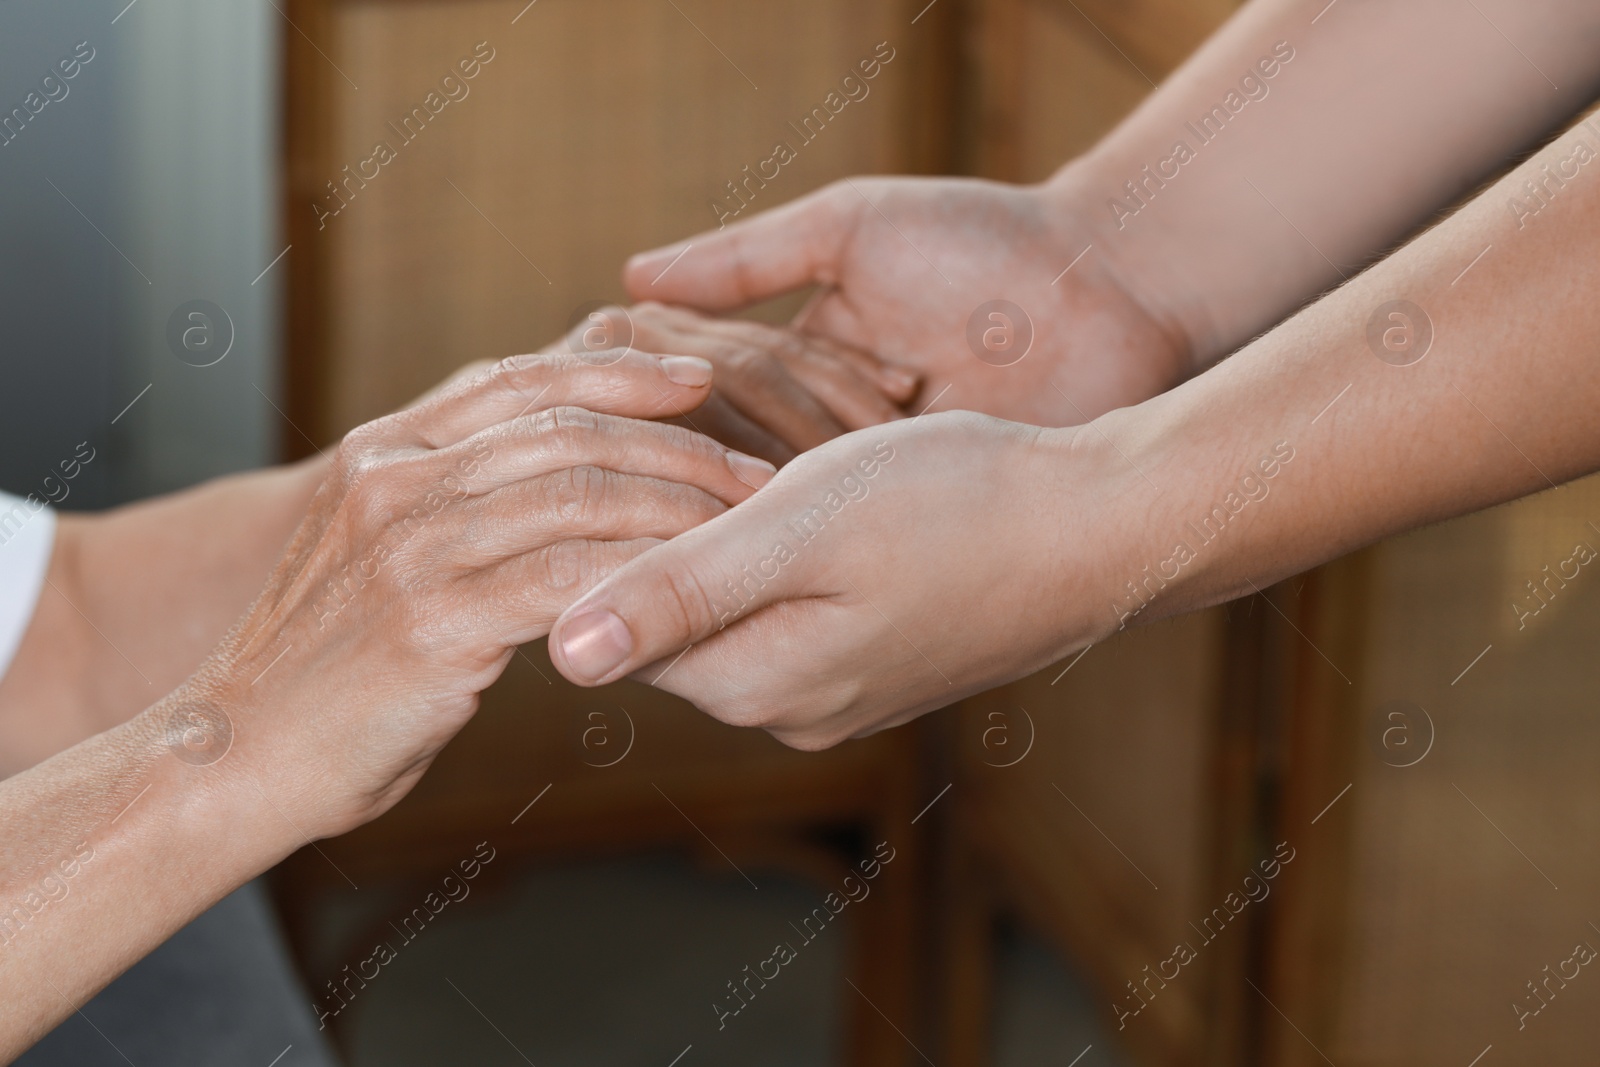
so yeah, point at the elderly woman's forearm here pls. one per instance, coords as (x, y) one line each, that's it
(136, 597)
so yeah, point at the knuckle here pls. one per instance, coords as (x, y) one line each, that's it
(367, 485)
(577, 492)
(519, 374)
(364, 440)
(687, 602)
(563, 564)
(564, 423)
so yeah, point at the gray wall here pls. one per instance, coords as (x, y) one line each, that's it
(165, 145)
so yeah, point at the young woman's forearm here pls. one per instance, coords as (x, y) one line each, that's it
(1459, 373)
(1309, 147)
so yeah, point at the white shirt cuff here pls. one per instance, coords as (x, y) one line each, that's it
(27, 534)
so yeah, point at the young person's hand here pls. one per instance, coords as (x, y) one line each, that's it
(912, 268)
(900, 568)
(887, 573)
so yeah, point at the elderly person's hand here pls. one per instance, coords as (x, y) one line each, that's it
(444, 536)
(441, 537)
(778, 392)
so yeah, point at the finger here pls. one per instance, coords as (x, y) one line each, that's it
(853, 399)
(753, 379)
(719, 420)
(625, 382)
(682, 592)
(585, 503)
(897, 382)
(683, 327)
(766, 393)
(543, 443)
(792, 246)
(521, 597)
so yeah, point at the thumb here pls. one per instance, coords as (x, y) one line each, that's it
(675, 595)
(777, 251)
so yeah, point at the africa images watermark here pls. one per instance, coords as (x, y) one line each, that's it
(1541, 191)
(1550, 585)
(1253, 486)
(452, 890)
(50, 889)
(1583, 954)
(53, 89)
(54, 490)
(1252, 86)
(1256, 889)
(453, 88)
(855, 889)
(855, 89)
(803, 529)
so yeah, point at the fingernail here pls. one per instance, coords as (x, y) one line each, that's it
(594, 644)
(686, 370)
(751, 471)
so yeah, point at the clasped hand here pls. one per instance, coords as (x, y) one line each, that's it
(443, 536)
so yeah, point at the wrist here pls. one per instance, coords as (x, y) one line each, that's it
(1155, 258)
(207, 758)
(1101, 528)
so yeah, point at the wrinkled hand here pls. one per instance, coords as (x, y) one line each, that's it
(907, 262)
(885, 574)
(777, 392)
(443, 536)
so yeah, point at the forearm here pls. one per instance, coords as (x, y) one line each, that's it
(1386, 112)
(136, 597)
(109, 848)
(1501, 404)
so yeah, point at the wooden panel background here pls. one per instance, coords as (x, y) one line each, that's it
(1103, 832)
(1447, 871)
(597, 131)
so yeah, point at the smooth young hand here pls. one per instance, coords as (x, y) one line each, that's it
(909, 268)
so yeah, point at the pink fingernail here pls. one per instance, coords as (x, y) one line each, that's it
(594, 643)
(686, 370)
(751, 471)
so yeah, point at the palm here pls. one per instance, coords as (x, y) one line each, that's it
(921, 256)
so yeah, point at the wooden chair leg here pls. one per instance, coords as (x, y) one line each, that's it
(964, 944)
(882, 1011)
